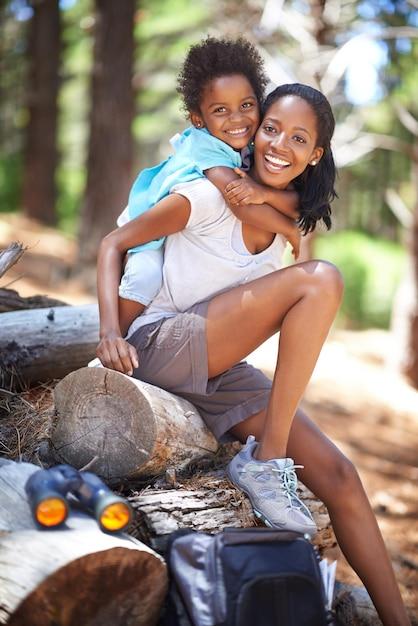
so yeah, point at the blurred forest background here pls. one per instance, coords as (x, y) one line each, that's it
(87, 98)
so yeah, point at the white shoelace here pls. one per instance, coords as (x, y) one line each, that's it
(289, 481)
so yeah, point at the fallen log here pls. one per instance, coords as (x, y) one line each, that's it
(209, 502)
(41, 344)
(10, 300)
(75, 575)
(123, 427)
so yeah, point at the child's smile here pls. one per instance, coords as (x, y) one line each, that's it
(229, 110)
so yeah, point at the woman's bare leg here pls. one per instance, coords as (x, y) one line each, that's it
(301, 301)
(333, 479)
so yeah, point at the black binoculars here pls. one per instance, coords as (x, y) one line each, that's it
(49, 490)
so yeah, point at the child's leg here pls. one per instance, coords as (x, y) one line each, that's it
(129, 310)
(333, 479)
(140, 283)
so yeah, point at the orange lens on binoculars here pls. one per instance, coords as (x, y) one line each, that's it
(115, 516)
(51, 512)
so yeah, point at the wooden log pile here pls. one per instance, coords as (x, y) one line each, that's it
(128, 432)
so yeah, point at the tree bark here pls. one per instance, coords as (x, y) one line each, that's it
(209, 502)
(110, 147)
(411, 369)
(74, 575)
(40, 159)
(124, 427)
(41, 344)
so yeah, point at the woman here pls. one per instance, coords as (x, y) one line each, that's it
(222, 296)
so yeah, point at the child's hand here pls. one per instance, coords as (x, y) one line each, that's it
(294, 236)
(244, 190)
(117, 354)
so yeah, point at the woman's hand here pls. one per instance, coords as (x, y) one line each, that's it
(244, 190)
(117, 354)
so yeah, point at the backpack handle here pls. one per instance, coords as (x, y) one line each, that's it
(235, 536)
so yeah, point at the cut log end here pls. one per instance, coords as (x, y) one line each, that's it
(98, 418)
(87, 591)
(130, 428)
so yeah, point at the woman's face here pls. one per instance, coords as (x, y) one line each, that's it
(285, 143)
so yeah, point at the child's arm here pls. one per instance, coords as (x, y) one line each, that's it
(244, 190)
(262, 216)
(168, 216)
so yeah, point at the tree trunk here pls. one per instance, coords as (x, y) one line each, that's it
(41, 344)
(125, 427)
(74, 575)
(110, 147)
(411, 369)
(40, 160)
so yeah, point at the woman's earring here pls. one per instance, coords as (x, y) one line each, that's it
(198, 124)
(313, 162)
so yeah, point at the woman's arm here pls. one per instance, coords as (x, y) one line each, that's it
(263, 216)
(168, 216)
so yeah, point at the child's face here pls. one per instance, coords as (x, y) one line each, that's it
(229, 110)
(285, 143)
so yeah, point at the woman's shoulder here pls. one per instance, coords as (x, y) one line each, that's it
(200, 190)
(206, 201)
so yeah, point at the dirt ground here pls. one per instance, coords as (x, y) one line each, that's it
(356, 398)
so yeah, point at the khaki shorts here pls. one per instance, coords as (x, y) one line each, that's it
(173, 355)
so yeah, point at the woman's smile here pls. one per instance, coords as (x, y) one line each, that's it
(275, 163)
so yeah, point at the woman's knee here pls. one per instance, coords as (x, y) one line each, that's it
(325, 279)
(343, 481)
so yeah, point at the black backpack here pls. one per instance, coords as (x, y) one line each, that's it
(245, 577)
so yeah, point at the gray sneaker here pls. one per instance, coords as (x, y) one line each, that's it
(271, 487)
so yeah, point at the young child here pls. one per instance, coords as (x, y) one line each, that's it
(222, 84)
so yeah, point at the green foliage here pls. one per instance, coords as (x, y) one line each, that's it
(164, 31)
(10, 174)
(372, 270)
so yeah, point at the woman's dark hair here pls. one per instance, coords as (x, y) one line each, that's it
(213, 58)
(315, 185)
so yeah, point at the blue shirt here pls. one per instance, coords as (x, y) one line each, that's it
(196, 150)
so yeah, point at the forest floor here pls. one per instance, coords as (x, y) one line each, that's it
(362, 404)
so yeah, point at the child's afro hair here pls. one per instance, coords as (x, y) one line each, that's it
(213, 58)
